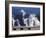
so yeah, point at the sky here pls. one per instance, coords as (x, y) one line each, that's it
(28, 10)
